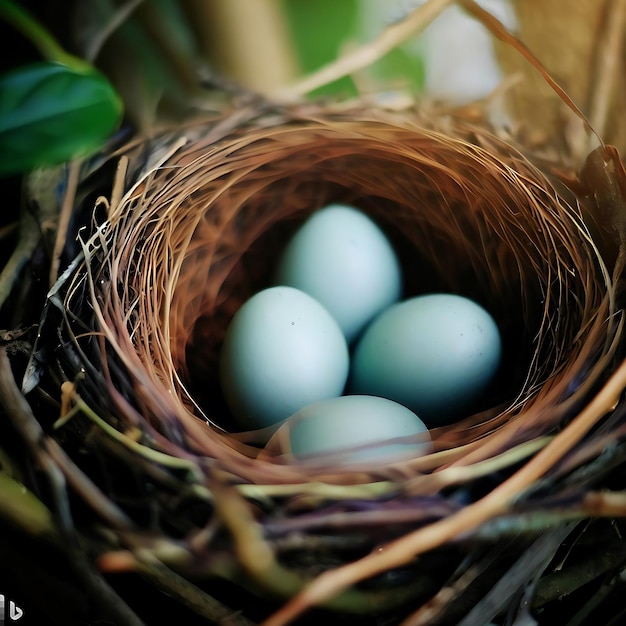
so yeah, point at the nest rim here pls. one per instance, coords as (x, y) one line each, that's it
(176, 172)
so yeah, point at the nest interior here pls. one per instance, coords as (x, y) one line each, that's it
(196, 228)
(201, 233)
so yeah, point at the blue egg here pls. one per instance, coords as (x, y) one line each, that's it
(282, 351)
(357, 429)
(343, 259)
(435, 354)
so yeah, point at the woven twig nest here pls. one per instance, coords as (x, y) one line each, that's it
(177, 231)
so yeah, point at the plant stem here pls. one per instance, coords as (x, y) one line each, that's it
(364, 56)
(43, 40)
(246, 42)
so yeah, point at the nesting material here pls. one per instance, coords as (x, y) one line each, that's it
(198, 221)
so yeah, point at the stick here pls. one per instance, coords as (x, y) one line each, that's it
(364, 56)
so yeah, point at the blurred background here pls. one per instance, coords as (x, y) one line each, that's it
(171, 59)
(155, 51)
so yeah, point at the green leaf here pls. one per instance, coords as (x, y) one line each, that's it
(50, 113)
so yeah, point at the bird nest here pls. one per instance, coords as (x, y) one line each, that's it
(175, 232)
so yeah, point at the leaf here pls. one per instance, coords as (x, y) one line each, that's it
(50, 113)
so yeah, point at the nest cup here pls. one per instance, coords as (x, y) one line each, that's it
(204, 212)
(200, 233)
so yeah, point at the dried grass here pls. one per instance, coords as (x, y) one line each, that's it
(195, 220)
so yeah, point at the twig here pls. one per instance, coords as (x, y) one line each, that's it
(20, 507)
(249, 42)
(608, 67)
(532, 563)
(256, 556)
(601, 561)
(151, 454)
(498, 30)
(38, 208)
(19, 259)
(64, 219)
(318, 489)
(89, 491)
(119, 17)
(9, 229)
(189, 595)
(495, 503)
(363, 56)
(32, 434)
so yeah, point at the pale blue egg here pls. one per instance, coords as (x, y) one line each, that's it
(344, 260)
(435, 354)
(282, 351)
(357, 429)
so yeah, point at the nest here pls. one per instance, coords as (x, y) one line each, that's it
(172, 234)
